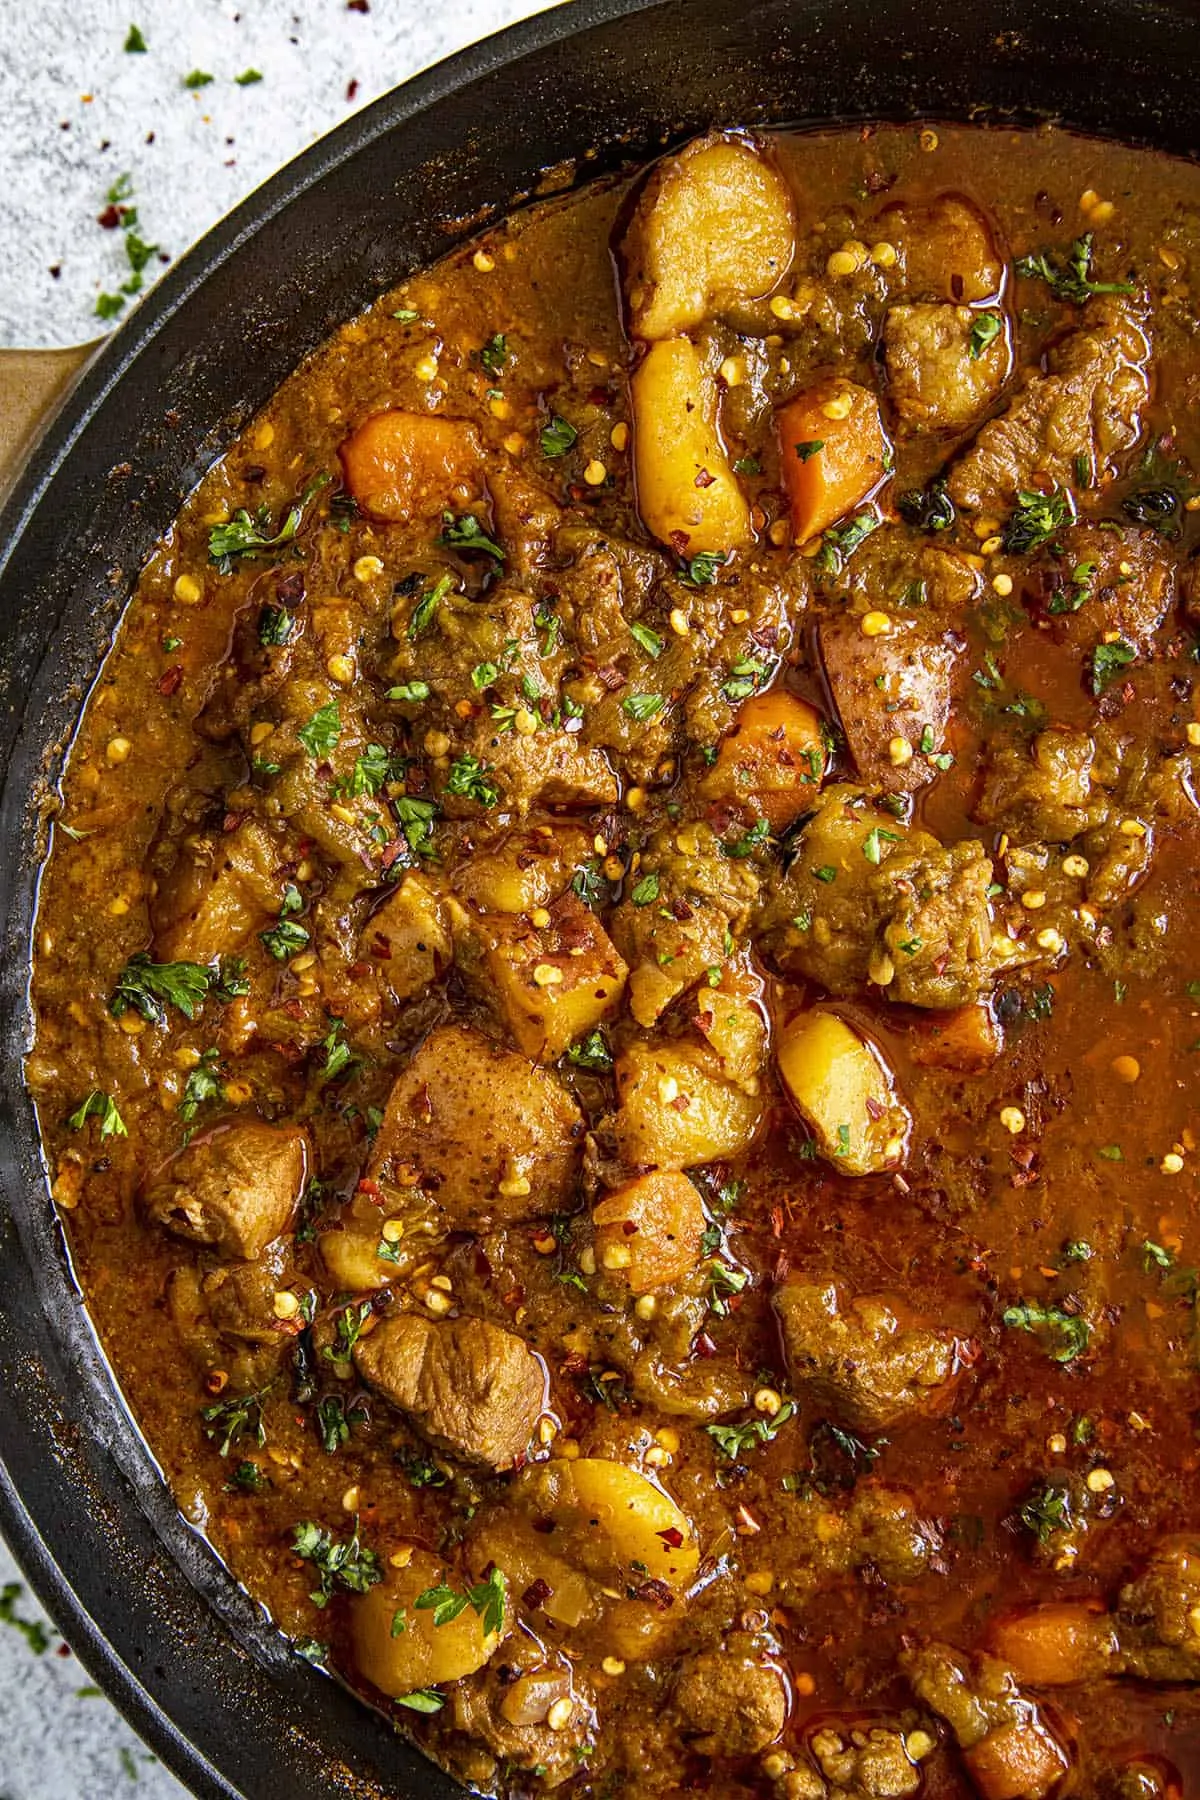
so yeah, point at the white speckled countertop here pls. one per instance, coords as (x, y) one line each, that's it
(77, 112)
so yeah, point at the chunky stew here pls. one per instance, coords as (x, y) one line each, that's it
(618, 989)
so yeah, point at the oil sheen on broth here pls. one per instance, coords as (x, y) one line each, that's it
(617, 991)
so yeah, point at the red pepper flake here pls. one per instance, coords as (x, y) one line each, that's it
(628, 1227)
(232, 820)
(576, 1363)
(747, 1524)
(777, 1221)
(351, 89)
(657, 1593)
(362, 6)
(110, 218)
(536, 1594)
(372, 1190)
(170, 680)
(672, 1537)
(679, 542)
(703, 1345)
(543, 1526)
(875, 1109)
(704, 479)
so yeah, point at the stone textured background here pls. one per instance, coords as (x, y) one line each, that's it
(76, 112)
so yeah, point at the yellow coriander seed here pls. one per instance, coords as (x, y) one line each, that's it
(1002, 584)
(1172, 1163)
(883, 255)
(187, 590)
(426, 368)
(368, 566)
(1050, 940)
(733, 371)
(1193, 733)
(1100, 1480)
(547, 975)
(900, 751)
(1033, 899)
(483, 262)
(286, 1305)
(1012, 1119)
(595, 474)
(679, 623)
(117, 749)
(1076, 866)
(618, 437)
(875, 624)
(842, 262)
(839, 406)
(340, 668)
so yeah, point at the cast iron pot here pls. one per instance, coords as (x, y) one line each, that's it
(156, 1618)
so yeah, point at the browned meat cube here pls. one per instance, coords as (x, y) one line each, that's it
(730, 1701)
(222, 888)
(858, 1361)
(472, 1389)
(897, 573)
(895, 688)
(941, 375)
(946, 249)
(1158, 1613)
(1089, 406)
(236, 1190)
(495, 1139)
(1051, 789)
(506, 1706)
(1090, 581)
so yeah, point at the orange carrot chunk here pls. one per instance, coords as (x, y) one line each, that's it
(830, 465)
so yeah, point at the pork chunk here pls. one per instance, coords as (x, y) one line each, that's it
(858, 1361)
(731, 1701)
(495, 1139)
(1090, 581)
(235, 1190)
(897, 686)
(473, 1390)
(1089, 405)
(1049, 790)
(506, 1706)
(222, 888)
(937, 378)
(1157, 1615)
(895, 573)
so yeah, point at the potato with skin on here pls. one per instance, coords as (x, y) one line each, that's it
(714, 228)
(550, 983)
(675, 1112)
(687, 493)
(648, 1232)
(899, 685)
(830, 464)
(492, 1137)
(410, 467)
(773, 761)
(407, 939)
(844, 1092)
(941, 375)
(422, 1654)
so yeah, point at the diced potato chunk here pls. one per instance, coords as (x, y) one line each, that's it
(830, 465)
(731, 1021)
(511, 1541)
(421, 1654)
(946, 249)
(551, 983)
(674, 1113)
(1057, 1645)
(407, 939)
(408, 466)
(773, 762)
(844, 1093)
(523, 869)
(688, 495)
(899, 686)
(648, 1232)
(222, 888)
(608, 1518)
(714, 227)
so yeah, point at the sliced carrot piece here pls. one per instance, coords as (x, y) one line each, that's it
(773, 762)
(830, 465)
(407, 466)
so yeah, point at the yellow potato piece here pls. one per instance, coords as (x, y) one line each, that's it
(608, 1517)
(674, 1113)
(352, 1259)
(714, 227)
(843, 1091)
(422, 1654)
(687, 493)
